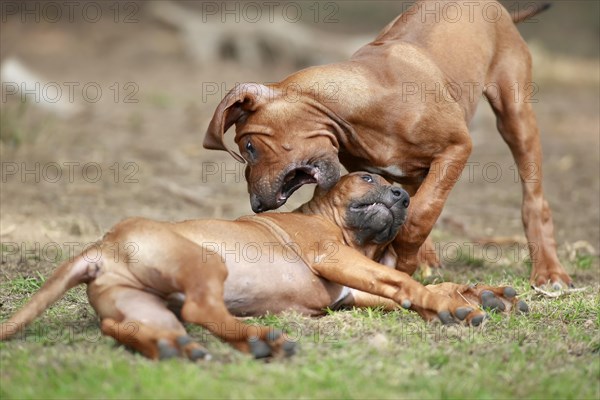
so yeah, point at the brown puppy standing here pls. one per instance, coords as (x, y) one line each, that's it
(400, 107)
(306, 261)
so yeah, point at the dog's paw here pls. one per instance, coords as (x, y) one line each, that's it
(449, 311)
(556, 285)
(181, 346)
(154, 343)
(191, 349)
(471, 303)
(551, 277)
(462, 315)
(501, 299)
(275, 344)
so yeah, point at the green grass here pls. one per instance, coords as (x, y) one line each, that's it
(552, 352)
(584, 261)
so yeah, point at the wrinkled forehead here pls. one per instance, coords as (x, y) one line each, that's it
(275, 116)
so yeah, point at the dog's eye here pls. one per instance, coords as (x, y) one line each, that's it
(367, 178)
(249, 147)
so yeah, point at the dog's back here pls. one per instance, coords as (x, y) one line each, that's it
(451, 42)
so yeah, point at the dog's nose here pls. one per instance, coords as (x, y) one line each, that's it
(401, 195)
(256, 204)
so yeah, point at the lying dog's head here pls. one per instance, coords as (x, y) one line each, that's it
(287, 140)
(366, 206)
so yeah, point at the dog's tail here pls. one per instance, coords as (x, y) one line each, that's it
(534, 9)
(69, 274)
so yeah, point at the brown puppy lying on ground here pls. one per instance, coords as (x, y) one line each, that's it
(401, 107)
(317, 257)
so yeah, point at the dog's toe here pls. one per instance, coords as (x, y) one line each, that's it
(490, 301)
(462, 312)
(289, 348)
(192, 349)
(259, 348)
(522, 307)
(478, 319)
(487, 294)
(509, 292)
(184, 340)
(199, 354)
(446, 318)
(166, 350)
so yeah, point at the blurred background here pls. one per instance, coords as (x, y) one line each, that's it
(105, 104)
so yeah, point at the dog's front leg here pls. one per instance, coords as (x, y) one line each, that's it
(428, 201)
(350, 268)
(427, 257)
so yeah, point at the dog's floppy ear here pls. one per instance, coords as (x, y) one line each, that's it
(240, 101)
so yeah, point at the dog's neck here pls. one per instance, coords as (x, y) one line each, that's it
(322, 206)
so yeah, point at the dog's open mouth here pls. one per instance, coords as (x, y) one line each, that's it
(296, 178)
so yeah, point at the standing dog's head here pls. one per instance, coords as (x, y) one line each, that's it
(286, 138)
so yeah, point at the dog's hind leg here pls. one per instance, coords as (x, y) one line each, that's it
(141, 320)
(184, 266)
(509, 91)
(204, 305)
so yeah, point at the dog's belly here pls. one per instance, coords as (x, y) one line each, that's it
(257, 289)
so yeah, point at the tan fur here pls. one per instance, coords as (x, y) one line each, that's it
(140, 264)
(401, 107)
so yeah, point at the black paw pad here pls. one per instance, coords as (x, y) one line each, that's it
(477, 320)
(462, 312)
(165, 350)
(445, 317)
(259, 348)
(289, 348)
(509, 292)
(198, 354)
(523, 307)
(183, 340)
(489, 300)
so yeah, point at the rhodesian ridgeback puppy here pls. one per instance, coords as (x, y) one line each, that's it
(317, 257)
(400, 107)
